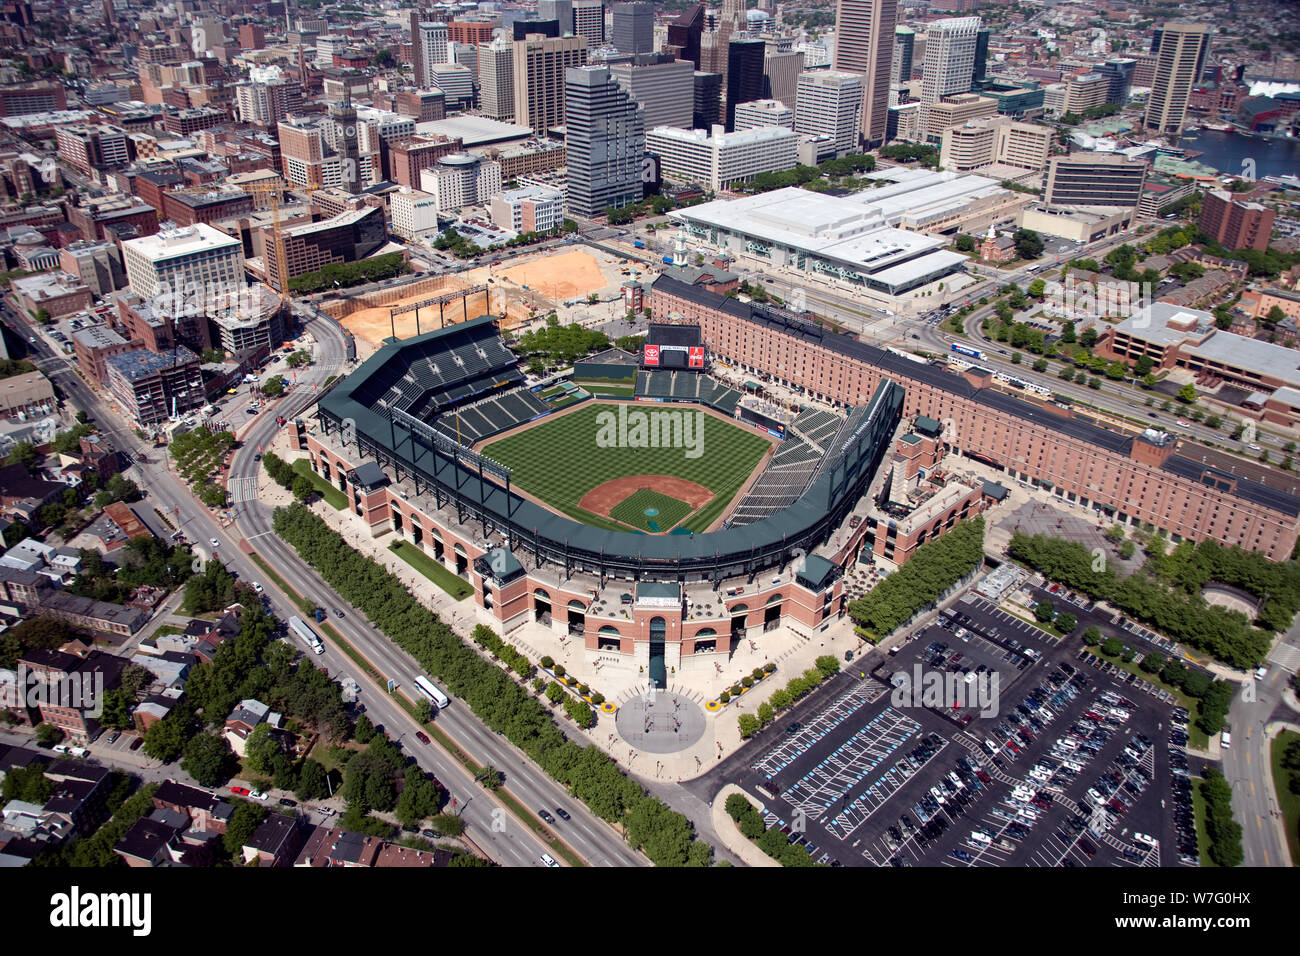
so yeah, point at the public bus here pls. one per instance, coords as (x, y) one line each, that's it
(435, 696)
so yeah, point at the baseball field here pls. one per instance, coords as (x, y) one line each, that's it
(569, 464)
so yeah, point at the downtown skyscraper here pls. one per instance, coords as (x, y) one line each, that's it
(864, 43)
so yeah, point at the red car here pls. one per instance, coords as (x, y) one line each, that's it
(135, 744)
(421, 736)
(239, 791)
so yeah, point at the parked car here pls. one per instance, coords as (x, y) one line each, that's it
(240, 791)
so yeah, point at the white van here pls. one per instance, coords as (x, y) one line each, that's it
(978, 837)
(62, 749)
(1148, 840)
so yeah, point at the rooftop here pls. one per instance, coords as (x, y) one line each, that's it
(174, 242)
(141, 363)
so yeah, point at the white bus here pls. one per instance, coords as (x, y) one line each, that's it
(299, 627)
(437, 697)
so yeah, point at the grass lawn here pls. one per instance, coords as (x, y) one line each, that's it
(1288, 801)
(602, 389)
(168, 629)
(335, 498)
(431, 569)
(632, 510)
(541, 460)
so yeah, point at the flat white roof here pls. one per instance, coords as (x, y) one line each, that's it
(475, 130)
(182, 241)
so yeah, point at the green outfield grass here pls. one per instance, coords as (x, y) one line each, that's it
(632, 510)
(559, 461)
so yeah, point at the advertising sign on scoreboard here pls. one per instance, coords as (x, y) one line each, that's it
(697, 356)
(652, 355)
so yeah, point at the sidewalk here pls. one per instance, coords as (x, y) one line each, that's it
(730, 835)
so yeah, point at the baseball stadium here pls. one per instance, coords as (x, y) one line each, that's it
(660, 529)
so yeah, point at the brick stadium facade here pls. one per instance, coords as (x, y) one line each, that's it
(1126, 478)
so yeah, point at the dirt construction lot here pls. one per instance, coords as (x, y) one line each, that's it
(518, 290)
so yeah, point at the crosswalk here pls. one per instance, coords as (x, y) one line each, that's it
(242, 489)
(1287, 657)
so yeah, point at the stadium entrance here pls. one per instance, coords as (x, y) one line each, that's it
(658, 672)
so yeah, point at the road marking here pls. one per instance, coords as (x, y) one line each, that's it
(243, 489)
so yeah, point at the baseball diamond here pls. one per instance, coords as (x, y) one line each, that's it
(560, 461)
(648, 510)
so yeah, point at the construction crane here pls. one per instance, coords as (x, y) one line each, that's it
(272, 190)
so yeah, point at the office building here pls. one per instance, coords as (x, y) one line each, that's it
(760, 113)
(433, 49)
(685, 32)
(980, 71)
(949, 60)
(901, 65)
(522, 29)
(308, 246)
(530, 209)
(417, 45)
(707, 108)
(995, 140)
(719, 159)
(953, 111)
(633, 29)
(497, 79)
(33, 98)
(781, 75)
(471, 31)
(606, 142)
(456, 81)
(560, 11)
(1095, 179)
(830, 102)
(744, 74)
(589, 21)
(539, 74)
(179, 258)
(1180, 50)
(1234, 223)
(1119, 79)
(664, 87)
(864, 43)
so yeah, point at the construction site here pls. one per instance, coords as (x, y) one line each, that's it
(516, 292)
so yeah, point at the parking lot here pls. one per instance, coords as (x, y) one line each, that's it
(1073, 765)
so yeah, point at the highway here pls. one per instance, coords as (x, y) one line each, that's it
(488, 823)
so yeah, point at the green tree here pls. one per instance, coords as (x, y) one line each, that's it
(1029, 244)
(1187, 394)
(748, 725)
(1066, 622)
(312, 783)
(1044, 611)
(23, 453)
(261, 749)
(1092, 636)
(47, 735)
(207, 759)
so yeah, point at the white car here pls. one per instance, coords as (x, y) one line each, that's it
(1182, 423)
(258, 795)
(549, 860)
(258, 588)
(1261, 673)
(214, 542)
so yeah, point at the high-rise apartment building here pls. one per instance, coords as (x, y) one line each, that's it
(539, 78)
(829, 102)
(1180, 50)
(267, 103)
(1234, 223)
(605, 141)
(864, 43)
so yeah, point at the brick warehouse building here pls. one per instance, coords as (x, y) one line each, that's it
(1126, 478)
